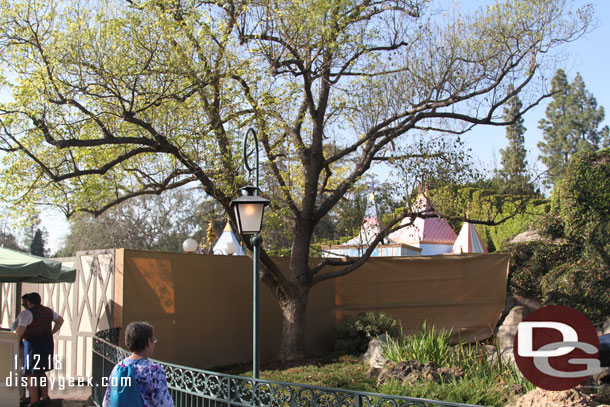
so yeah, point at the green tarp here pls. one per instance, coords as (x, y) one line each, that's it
(18, 267)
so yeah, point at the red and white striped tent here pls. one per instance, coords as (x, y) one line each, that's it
(469, 241)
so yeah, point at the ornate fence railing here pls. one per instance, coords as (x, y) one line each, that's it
(200, 388)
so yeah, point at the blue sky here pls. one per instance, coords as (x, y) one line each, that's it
(589, 55)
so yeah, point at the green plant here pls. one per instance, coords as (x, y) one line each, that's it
(531, 261)
(479, 390)
(487, 381)
(426, 345)
(352, 334)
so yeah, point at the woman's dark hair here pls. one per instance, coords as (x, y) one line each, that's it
(137, 335)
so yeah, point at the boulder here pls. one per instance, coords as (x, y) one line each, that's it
(606, 330)
(373, 355)
(507, 331)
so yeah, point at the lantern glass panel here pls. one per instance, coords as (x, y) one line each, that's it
(250, 216)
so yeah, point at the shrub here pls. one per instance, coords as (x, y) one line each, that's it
(583, 285)
(485, 382)
(352, 334)
(531, 261)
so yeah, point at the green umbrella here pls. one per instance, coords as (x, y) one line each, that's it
(18, 267)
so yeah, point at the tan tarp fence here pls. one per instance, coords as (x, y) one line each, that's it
(201, 308)
(464, 293)
(201, 305)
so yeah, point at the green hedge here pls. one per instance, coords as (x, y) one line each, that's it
(352, 334)
(483, 204)
(572, 266)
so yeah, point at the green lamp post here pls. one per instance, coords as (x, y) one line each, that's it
(249, 209)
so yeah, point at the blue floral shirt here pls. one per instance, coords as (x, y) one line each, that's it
(151, 383)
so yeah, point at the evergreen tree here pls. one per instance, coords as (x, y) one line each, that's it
(38, 242)
(571, 124)
(514, 172)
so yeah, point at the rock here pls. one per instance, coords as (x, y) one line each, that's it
(527, 236)
(399, 371)
(506, 336)
(603, 394)
(603, 377)
(373, 354)
(507, 331)
(373, 372)
(516, 315)
(413, 371)
(532, 304)
(606, 327)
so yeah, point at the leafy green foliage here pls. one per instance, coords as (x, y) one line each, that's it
(9, 241)
(583, 284)
(491, 384)
(517, 213)
(531, 261)
(107, 101)
(574, 268)
(583, 199)
(352, 334)
(159, 223)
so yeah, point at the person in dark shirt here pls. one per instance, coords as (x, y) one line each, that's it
(36, 327)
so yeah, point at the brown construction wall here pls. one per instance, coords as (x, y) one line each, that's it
(464, 293)
(201, 305)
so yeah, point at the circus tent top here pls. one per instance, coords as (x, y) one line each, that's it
(469, 240)
(226, 238)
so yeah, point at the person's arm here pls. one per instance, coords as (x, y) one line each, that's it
(23, 320)
(20, 330)
(57, 323)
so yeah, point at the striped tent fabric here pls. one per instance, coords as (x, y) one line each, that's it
(469, 241)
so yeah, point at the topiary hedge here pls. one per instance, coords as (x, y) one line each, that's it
(531, 262)
(483, 204)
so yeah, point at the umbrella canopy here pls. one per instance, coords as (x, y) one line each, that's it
(18, 267)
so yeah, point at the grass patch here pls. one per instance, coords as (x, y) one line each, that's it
(485, 382)
(334, 370)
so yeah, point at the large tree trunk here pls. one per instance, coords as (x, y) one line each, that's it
(295, 303)
(293, 328)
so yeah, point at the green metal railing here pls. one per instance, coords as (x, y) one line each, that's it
(201, 388)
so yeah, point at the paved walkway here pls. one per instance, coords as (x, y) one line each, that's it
(73, 397)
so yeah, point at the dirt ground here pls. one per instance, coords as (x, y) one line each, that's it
(577, 397)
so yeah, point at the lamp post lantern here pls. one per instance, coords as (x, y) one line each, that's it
(249, 209)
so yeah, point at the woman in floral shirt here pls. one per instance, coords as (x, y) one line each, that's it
(150, 377)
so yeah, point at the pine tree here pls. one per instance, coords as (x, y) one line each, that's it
(514, 172)
(571, 124)
(37, 247)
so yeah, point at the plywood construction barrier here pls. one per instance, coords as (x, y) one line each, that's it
(201, 305)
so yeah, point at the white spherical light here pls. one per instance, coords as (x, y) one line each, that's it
(229, 248)
(189, 245)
